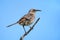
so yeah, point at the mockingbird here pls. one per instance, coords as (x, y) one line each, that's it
(27, 19)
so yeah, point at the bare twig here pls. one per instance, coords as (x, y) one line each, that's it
(22, 37)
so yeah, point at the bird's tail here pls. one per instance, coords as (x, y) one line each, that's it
(12, 24)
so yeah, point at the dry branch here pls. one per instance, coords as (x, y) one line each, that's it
(22, 37)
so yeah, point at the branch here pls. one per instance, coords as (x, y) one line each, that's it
(22, 37)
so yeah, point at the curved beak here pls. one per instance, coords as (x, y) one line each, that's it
(38, 10)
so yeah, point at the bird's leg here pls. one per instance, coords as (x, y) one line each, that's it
(24, 28)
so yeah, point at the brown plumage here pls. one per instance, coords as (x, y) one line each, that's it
(26, 19)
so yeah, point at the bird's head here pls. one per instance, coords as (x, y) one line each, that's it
(34, 10)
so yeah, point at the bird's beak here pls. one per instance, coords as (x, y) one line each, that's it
(38, 10)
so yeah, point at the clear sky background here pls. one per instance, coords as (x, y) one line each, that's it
(48, 28)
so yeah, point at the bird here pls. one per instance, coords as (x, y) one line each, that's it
(27, 19)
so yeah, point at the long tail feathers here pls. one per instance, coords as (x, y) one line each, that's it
(12, 24)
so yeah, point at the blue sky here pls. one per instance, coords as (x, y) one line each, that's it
(48, 28)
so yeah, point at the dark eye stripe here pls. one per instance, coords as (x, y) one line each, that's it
(31, 14)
